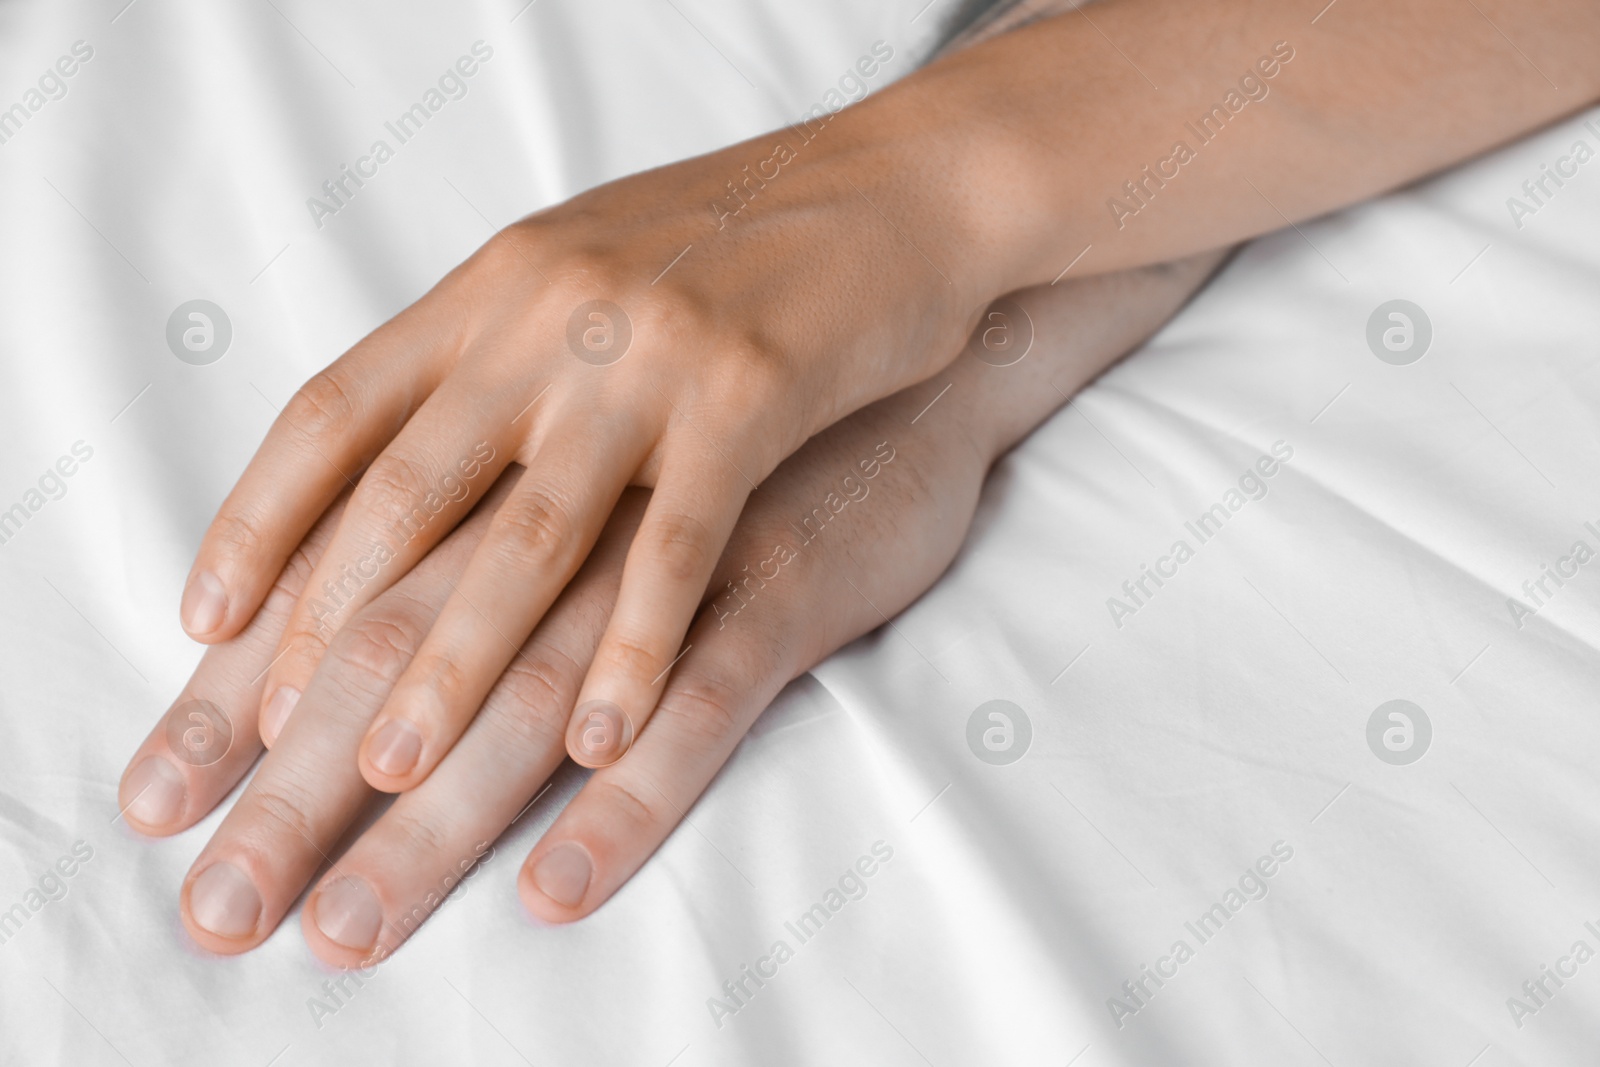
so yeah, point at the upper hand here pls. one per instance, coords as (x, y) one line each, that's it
(632, 335)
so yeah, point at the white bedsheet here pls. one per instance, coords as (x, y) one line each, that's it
(1226, 717)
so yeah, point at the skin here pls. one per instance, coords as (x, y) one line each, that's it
(785, 308)
(854, 271)
(878, 555)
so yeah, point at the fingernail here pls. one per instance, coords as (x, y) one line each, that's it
(562, 874)
(158, 792)
(223, 901)
(396, 747)
(276, 713)
(205, 603)
(347, 912)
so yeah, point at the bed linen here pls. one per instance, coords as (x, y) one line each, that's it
(1316, 787)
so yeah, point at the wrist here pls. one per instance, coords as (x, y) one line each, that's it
(982, 178)
(972, 413)
(946, 176)
(1035, 349)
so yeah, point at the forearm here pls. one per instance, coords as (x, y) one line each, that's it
(1018, 150)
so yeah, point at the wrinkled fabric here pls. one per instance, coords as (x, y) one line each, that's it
(1211, 760)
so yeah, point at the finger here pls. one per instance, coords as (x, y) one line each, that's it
(330, 430)
(878, 555)
(692, 512)
(628, 808)
(207, 740)
(307, 791)
(533, 547)
(402, 868)
(409, 499)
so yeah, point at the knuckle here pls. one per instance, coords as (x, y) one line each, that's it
(631, 659)
(239, 532)
(376, 647)
(753, 367)
(680, 546)
(496, 254)
(420, 836)
(757, 357)
(531, 701)
(290, 583)
(590, 264)
(394, 485)
(321, 408)
(507, 253)
(745, 374)
(285, 812)
(443, 675)
(307, 638)
(627, 808)
(533, 524)
(704, 708)
(594, 271)
(675, 314)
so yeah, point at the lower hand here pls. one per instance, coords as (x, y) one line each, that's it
(903, 523)
(904, 519)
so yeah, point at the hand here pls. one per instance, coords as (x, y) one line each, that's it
(630, 336)
(910, 493)
(904, 518)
